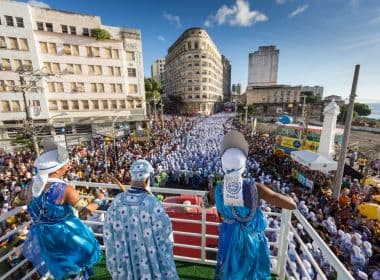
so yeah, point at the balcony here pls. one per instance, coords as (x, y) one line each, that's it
(199, 235)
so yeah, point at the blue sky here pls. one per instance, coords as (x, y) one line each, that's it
(320, 41)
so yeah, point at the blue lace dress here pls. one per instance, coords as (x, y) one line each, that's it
(58, 241)
(243, 248)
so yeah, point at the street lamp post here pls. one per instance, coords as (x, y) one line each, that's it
(162, 114)
(246, 114)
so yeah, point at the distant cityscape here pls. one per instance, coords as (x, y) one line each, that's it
(67, 73)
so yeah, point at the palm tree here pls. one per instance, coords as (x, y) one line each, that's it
(153, 90)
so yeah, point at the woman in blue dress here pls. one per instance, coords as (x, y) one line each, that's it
(58, 242)
(243, 252)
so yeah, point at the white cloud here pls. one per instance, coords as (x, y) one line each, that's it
(238, 14)
(299, 10)
(161, 38)
(372, 40)
(39, 4)
(280, 2)
(176, 20)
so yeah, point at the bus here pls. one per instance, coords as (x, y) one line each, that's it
(295, 137)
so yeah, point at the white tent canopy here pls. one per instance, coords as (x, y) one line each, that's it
(314, 161)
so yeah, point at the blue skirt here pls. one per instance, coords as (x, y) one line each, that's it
(67, 247)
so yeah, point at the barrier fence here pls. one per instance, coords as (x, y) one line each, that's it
(282, 264)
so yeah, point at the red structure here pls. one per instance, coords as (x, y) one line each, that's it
(190, 213)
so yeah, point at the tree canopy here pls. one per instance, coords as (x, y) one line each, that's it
(360, 109)
(100, 34)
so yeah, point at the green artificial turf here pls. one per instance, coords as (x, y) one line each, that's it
(186, 271)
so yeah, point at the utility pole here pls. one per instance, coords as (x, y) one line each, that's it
(162, 114)
(346, 135)
(246, 114)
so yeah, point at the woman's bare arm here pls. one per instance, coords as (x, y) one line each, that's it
(274, 198)
(72, 197)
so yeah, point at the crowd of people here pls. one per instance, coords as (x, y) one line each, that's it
(185, 152)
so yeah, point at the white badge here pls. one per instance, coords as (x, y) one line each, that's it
(233, 190)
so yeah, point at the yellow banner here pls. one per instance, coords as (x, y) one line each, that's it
(297, 144)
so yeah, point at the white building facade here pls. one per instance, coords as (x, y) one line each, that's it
(157, 70)
(194, 72)
(263, 66)
(92, 80)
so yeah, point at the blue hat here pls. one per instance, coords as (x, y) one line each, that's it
(141, 170)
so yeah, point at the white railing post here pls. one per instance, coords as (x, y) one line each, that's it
(283, 243)
(203, 238)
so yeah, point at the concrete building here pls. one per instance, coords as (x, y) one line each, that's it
(194, 73)
(336, 98)
(236, 89)
(275, 99)
(226, 79)
(317, 91)
(94, 81)
(157, 70)
(263, 66)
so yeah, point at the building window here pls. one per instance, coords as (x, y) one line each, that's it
(107, 53)
(3, 44)
(9, 20)
(119, 88)
(10, 85)
(110, 71)
(17, 63)
(49, 26)
(51, 87)
(100, 87)
(74, 105)
(43, 47)
(89, 51)
(112, 88)
(66, 49)
(117, 71)
(132, 88)
(86, 32)
(113, 104)
(20, 22)
(95, 104)
(122, 104)
(98, 70)
(59, 87)
(55, 68)
(2, 86)
(115, 54)
(64, 29)
(77, 69)
(131, 72)
(73, 30)
(6, 64)
(105, 104)
(91, 69)
(85, 105)
(40, 26)
(92, 87)
(13, 45)
(4, 106)
(75, 50)
(96, 52)
(23, 43)
(53, 106)
(64, 105)
(28, 64)
(52, 48)
(69, 69)
(130, 56)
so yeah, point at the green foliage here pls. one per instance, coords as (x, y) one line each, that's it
(360, 109)
(153, 90)
(23, 140)
(100, 34)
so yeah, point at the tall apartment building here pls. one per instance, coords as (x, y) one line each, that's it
(236, 89)
(226, 79)
(194, 72)
(316, 90)
(263, 66)
(96, 79)
(157, 70)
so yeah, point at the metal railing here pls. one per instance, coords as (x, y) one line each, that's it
(282, 269)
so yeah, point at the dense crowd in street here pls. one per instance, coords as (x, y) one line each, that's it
(185, 153)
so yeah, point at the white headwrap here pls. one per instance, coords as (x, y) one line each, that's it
(233, 164)
(52, 160)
